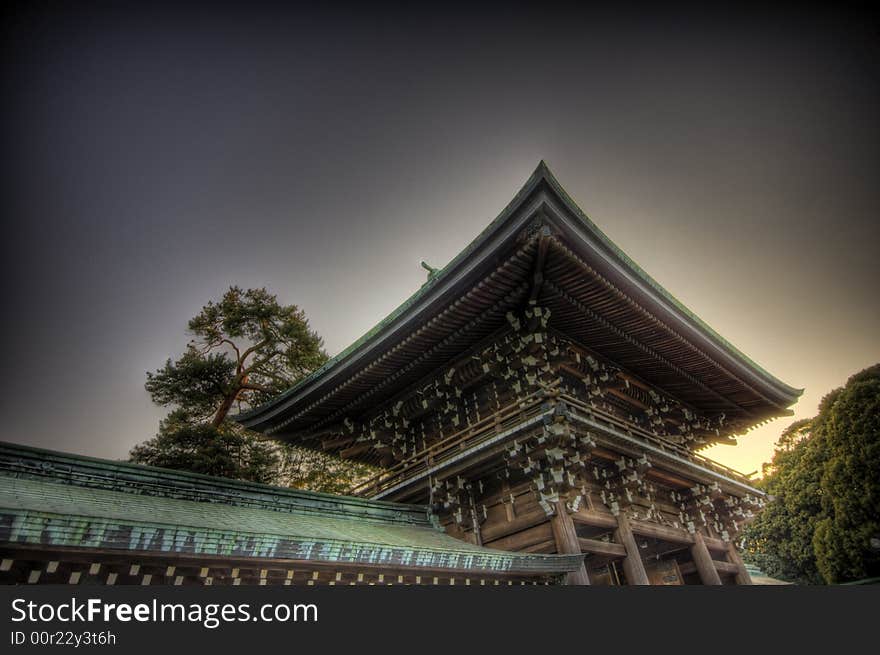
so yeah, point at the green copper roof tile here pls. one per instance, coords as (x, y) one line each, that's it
(57, 500)
(37, 463)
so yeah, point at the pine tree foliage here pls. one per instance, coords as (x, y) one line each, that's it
(245, 349)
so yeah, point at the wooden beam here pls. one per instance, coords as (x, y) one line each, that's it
(594, 519)
(742, 574)
(725, 567)
(703, 561)
(624, 397)
(715, 544)
(721, 567)
(524, 521)
(675, 481)
(523, 539)
(642, 528)
(545, 547)
(633, 567)
(566, 538)
(597, 547)
(662, 532)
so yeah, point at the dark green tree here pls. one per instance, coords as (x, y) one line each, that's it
(779, 541)
(847, 537)
(244, 350)
(202, 448)
(823, 523)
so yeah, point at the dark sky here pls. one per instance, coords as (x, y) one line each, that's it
(156, 156)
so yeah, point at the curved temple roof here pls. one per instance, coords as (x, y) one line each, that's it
(597, 295)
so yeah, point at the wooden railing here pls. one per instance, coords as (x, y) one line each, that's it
(494, 424)
(510, 416)
(657, 442)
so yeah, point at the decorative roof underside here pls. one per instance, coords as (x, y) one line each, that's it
(597, 295)
(51, 499)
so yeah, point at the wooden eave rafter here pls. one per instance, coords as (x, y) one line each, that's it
(642, 327)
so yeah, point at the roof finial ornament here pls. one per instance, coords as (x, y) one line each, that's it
(432, 272)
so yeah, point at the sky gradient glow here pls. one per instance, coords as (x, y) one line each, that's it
(157, 157)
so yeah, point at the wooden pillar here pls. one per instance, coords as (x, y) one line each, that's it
(633, 567)
(566, 538)
(742, 575)
(703, 561)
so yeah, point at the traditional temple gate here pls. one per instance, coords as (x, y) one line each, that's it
(544, 395)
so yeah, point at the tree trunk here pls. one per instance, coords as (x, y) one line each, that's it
(224, 408)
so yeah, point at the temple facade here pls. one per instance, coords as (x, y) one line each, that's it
(536, 410)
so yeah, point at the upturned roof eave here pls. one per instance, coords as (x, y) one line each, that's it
(397, 319)
(481, 247)
(676, 310)
(678, 306)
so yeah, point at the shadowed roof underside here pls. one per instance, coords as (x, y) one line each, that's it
(597, 296)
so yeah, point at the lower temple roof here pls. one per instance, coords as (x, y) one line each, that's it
(56, 500)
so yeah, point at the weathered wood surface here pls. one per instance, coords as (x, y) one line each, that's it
(742, 574)
(597, 547)
(633, 567)
(703, 562)
(566, 539)
(524, 539)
